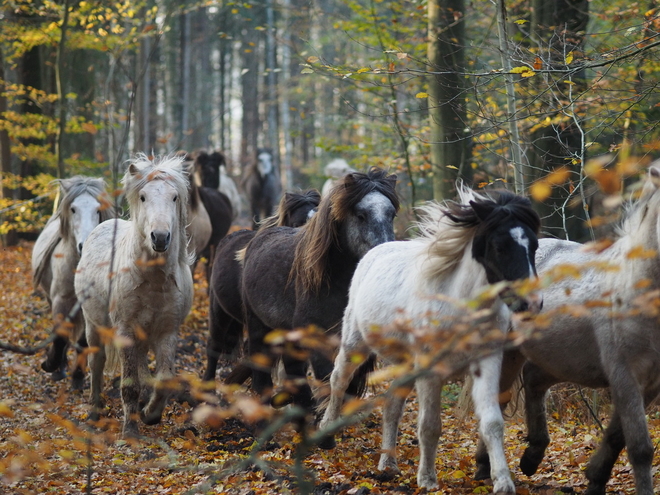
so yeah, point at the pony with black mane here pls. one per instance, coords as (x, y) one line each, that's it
(83, 205)
(614, 344)
(295, 278)
(262, 186)
(225, 303)
(399, 308)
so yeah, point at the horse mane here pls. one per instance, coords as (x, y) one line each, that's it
(290, 202)
(450, 227)
(320, 234)
(142, 170)
(635, 212)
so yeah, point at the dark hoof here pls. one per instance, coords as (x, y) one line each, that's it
(58, 375)
(530, 462)
(328, 443)
(49, 366)
(78, 381)
(150, 419)
(483, 472)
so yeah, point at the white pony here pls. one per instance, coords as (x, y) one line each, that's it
(335, 170)
(394, 310)
(134, 276)
(83, 205)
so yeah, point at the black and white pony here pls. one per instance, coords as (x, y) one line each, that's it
(601, 330)
(400, 307)
(211, 171)
(295, 278)
(262, 186)
(225, 304)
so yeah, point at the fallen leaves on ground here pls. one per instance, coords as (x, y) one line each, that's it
(48, 446)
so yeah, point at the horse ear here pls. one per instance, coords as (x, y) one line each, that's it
(133, 170)
(482, 210)
(654, 173)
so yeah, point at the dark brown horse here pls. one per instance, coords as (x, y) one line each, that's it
(225, 303)
(295, 278)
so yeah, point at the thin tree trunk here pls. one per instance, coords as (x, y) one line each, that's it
(450, 146)
(284, 99)
(59, 69)
(514, 138)
(273, 135)
(184, 94)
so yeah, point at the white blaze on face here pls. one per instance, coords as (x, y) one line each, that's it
(265, 164)
(518, 235)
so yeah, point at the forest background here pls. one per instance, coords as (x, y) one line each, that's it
(555, 99)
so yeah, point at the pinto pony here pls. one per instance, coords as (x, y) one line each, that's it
(83, 205)
(394, 310)
(614, 343)
(135, 276)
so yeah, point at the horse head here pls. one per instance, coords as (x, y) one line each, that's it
(264, 162)
(208, 167)
(81, 208)
(157, 193)
(505, 243)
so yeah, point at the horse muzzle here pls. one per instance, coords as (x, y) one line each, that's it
(160, 241)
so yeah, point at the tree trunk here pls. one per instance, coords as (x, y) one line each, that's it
(558, 27)
(450, 144)
(10, 239)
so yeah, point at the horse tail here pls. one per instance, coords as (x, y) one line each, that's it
(358, 386)
(240, 255)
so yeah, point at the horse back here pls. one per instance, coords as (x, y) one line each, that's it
(219, 210)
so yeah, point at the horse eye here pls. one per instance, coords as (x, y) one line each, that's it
(175, 199)
(362, 217)
(142, 198)
(73, 210)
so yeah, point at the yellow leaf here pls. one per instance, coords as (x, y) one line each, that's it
(5, 410)
(521, 21)
(452, 167)
(312, 60)
(540, 190)
(363, 69)
(458, 474)
(519, 70)
(569, 58)
(529, 73)
(640, 252)
(307, 70)
(422, 95)
(558, 176)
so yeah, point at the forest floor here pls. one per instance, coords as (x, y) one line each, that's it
(48, 446)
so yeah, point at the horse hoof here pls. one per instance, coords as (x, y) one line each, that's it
(328, 443)
(78, 383)
(57, 375)
(130, 430)
(150, 419)
(530, 462)
(483, 472)
(48, 366)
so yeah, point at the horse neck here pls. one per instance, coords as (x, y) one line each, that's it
(463, 280)
(644, 235)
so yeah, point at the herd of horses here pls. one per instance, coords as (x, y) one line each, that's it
(331, 261)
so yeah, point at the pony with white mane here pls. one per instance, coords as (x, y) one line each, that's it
(83, 205)
(611, 341)
(399, 308)
(135, 276)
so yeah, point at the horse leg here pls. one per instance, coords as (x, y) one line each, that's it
(130, 387)
(536, 383)
(165, 351)
(339, 381)
(512, 363)
(262, 381)
(296, 371)
(429, 427)
(224, 335)
(392, 412)
(56, 359)
(78, 372)
(96, 367)
(628, 418)
(486, 374)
